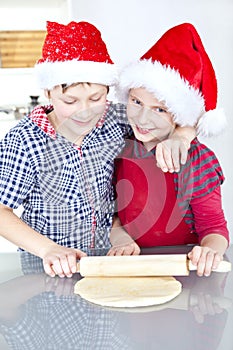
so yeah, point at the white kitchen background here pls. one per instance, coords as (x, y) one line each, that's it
(129, 28)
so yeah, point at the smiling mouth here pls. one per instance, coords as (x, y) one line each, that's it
(143, 131)
(82, 123)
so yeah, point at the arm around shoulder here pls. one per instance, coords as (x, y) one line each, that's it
(173, 151)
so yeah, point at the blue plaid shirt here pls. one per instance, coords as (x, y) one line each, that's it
(66, 191)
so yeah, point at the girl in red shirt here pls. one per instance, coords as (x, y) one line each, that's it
(156, 208)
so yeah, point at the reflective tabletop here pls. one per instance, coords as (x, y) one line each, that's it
(40, 312)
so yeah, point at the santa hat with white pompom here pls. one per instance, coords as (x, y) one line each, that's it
(178, 71)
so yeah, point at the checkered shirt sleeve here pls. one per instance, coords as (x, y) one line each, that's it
(60, 186)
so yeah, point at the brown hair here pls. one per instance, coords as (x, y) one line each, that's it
(66, 86)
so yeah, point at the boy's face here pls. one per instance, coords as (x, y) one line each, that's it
(77, 109)
(149, 118)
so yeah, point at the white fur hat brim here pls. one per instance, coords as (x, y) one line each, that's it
(50, 74)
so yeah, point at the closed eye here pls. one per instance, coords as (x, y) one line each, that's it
(95, 99)
(69, 102)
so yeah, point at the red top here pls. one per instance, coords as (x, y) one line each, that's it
(149, 206)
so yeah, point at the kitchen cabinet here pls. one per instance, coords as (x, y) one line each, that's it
(20, 48)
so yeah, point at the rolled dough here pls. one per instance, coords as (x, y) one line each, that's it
(128, 291)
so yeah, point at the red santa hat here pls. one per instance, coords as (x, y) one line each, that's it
(74, 53)
(178, 71)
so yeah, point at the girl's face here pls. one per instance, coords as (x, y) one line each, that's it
(149, 118)
(77, 109)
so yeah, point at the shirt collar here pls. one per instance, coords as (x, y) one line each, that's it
(39, 116)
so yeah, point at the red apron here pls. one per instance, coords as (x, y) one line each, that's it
(147, 204)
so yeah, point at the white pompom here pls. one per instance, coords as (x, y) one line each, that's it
(212, 123)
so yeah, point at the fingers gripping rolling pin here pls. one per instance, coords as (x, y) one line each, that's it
(141, 265)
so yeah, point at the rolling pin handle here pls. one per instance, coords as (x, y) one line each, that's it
(224, 266)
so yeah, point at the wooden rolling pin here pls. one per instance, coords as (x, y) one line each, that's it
(141, 265)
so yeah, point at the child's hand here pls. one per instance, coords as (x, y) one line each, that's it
(61, 261)
(128, 249)
(205, 258)
(171, 153)
(122, 243)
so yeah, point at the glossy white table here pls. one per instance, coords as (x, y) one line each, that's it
(39, 312)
